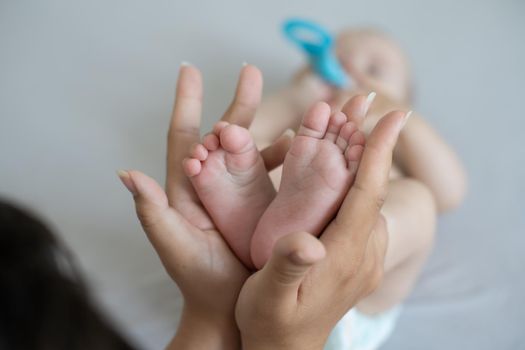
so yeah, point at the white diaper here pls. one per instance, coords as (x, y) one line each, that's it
(356, 331)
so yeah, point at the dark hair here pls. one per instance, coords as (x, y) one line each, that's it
(44, 304)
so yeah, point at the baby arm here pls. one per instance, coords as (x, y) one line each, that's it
(424, 155)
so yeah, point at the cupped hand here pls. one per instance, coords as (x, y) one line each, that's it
(191, 249)
(309, 284)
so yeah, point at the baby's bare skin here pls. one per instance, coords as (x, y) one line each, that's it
(228, 174)
(231, 181)
(317, 172)
(419, 188)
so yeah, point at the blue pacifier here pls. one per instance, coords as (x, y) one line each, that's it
(317, 43)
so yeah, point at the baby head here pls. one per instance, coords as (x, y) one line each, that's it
(375, 61)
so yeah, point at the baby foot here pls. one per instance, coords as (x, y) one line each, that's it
(231, 181)
(318, 170)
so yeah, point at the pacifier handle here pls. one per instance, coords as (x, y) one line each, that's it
(309, 36)
(317, 43)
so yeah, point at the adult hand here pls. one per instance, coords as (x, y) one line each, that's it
(308, 284)
(191, 249)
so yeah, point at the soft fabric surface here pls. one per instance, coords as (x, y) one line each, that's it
(86, 88)
(358, 331)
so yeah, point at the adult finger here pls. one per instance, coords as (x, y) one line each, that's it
(381, 237)
(374, 258)
(184, 129)
(164, 226)
(357, 107)
(247, 97)
(360, 209)
(292, 257)
(151, 202)
(274, 155)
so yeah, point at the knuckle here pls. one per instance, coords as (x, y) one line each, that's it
(241, 105)
(374, 198)
(374, 148)
(376, 278)
(175, 132)
(370, 267)
(349, 273)
(148, 220)
(381, 225)
(380, 236)
(244, 103)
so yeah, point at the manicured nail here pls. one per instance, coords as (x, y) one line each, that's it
(127, 181)
(185, 64)
(289, 133)
(369, 99)
(405, 119)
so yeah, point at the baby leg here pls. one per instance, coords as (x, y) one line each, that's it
(410, 213)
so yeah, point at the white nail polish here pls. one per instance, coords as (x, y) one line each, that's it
(405, 119)
(122, 173)
(370, 98)
(289, 133)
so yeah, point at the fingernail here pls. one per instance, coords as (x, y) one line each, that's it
(289, 133)
(405, 119)
(244, 64)
(127, 181)
(185, 64)
(369, 99)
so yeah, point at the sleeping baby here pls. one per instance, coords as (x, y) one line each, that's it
(253, 209)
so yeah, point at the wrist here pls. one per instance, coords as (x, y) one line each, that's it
(295, 346)
(199, 329)
(275, 342)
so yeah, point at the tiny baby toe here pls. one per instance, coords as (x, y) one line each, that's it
(211, 142)
(353, 156)
(337, 120)
(199, 152)
(353, 153)
(191, 166)
(217, 128)
(353, 165)
(315, 121)
(345, 134)
(235, 139)
(357, 138)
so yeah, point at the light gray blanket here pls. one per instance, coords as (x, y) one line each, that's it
(86, 88)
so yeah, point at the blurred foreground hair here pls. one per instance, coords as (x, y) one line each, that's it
(44, 303)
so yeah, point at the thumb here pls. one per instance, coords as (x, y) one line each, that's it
(167, 230)
(150, 200)
(292, 257)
